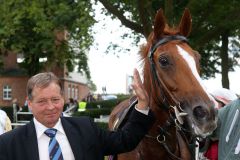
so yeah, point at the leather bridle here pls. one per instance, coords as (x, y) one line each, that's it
(168, 99)
(166, 94)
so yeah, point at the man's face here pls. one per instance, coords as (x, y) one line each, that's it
(47, 104)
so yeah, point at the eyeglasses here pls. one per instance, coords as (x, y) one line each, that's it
(45, 101)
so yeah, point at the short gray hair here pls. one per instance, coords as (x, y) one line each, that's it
(42, 80)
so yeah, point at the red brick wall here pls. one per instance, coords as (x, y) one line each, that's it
(83, 90)
(18, 85)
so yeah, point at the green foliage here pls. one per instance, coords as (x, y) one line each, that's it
(211, 19)
(107, 103)
(103, 104)
(30, 27)
(102, 125)
(210, 23)
(95, 109)
(122, 97)
(94, 112)
(92, 86)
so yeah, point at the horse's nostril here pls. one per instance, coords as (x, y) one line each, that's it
(199, 112)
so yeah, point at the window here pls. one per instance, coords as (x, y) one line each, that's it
(76, 93)
(69, 91)
(73, 91)
(7, 92)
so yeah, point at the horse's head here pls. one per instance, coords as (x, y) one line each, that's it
(171, 75)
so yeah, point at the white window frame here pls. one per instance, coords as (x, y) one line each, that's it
(7, 92)
(69, 91)
(76, 93)
(73, 91)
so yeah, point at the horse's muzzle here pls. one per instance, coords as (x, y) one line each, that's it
(200, 113)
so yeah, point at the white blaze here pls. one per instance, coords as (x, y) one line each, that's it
(192, 65)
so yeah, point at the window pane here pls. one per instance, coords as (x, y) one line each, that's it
(7, 92)
(69, 91)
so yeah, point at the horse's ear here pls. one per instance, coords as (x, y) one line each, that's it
(185, 25)
(159, 24)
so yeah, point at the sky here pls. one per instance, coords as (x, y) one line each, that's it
(110, 70)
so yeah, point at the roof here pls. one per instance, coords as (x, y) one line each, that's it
(77, 77)
(13, 72)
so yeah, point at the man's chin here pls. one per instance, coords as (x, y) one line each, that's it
(51, 124)
(51, 121)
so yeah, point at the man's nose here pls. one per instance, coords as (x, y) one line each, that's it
(50, 104)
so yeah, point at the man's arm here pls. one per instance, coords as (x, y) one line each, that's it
(140, 121)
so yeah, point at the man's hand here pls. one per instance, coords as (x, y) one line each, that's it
(143, 99)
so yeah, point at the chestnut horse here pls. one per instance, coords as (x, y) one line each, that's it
(182, 107)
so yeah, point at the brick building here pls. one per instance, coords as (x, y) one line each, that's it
(13, 81)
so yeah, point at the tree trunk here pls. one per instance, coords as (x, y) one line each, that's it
(143, 7)
(225, 60)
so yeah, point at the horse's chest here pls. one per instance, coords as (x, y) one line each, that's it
(153, 150)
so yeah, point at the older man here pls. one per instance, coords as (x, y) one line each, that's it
(51, 136)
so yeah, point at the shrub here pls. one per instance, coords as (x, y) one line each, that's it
(106, 103)
(94, 113)
(97, 108)
(102, 125)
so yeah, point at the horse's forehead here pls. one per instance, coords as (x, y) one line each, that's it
(188, 58)
(192, 65)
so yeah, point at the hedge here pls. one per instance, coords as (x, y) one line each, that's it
(102, 125)
(97, 108)
(106, 103)
(94, 113)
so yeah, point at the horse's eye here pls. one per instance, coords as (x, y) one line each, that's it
(164, 61)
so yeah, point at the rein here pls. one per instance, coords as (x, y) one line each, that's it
(168, 100)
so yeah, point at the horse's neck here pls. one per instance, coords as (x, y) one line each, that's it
(151, 148)
(164, 128)
(175, 141)
(161, 128)
(174, 146)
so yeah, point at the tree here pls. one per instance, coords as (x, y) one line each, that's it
(33, 29)
(138, 15)
(215, 27)
(92, 86)
(212, 27)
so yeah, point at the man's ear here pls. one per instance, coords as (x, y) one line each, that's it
(29, 102)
